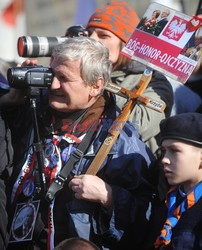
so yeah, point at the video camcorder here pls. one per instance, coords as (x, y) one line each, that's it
(30, 76)
(39, 46)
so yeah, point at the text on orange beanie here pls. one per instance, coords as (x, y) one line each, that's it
(117, 17)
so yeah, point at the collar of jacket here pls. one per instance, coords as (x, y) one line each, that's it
(133, 68)
(111, 113)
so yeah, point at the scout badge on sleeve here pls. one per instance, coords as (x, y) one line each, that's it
(24, 221)
(167, 42)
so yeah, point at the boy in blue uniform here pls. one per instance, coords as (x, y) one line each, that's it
(181, 139)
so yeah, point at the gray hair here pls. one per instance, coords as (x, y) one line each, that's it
(167, 11)
(93, 57)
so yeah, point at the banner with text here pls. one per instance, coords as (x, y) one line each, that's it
(168, 41)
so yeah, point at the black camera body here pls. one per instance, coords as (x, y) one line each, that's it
(30, 76)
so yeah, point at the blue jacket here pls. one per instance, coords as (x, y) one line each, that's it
(127, 169)
(188, 232)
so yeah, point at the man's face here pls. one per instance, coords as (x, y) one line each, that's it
(68, 91)
(111, 41)
(182, 163)
(164, 14)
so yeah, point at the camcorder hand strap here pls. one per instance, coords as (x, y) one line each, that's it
(60, 179)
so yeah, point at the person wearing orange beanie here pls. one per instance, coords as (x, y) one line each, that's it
(117, 17)
(115, 21)
(112, 25)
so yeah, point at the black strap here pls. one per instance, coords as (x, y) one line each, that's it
(60, 179)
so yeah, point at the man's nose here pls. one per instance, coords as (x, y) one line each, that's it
(55, 83)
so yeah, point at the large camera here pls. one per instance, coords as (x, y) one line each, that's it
(39, 46)
(30, 76)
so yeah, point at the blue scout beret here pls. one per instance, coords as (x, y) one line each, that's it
(185, 127)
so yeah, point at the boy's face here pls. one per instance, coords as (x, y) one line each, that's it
(182, 163)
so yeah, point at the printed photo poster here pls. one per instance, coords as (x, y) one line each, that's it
(167, 41)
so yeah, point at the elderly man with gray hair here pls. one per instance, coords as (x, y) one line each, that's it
(73, 124)
(161, 23)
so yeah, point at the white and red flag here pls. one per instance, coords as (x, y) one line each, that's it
(12, 25)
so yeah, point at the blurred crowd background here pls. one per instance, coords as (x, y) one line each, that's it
(52, 18)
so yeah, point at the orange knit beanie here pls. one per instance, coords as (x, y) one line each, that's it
(117, 17)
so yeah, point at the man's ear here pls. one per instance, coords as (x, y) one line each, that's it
(97, 88)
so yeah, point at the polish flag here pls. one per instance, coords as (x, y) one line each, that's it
(12, 25)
